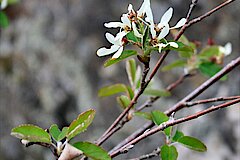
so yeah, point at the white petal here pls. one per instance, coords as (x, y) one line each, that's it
(228, 49)
(119, 37)
(125, 20)
(142, 9)
(135, 31)
(152, 30)
(164, 32)
(104, 51)
(180, 23)
(149, 15)
(167, 16)
(173, 44)
(118, 53)
(110, 38)
(160, 46)
(130, 7)
(3, 4)
(114, 25)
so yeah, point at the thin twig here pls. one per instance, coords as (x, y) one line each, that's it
(154, 153)
(190, 104)
(172, 123)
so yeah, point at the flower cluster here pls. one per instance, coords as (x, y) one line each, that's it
(138, 22)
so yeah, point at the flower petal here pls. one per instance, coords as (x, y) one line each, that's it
(126, 20)
(130, 8)
(142, 9)
(110, 38)
(104, 51)
(135, 31)
(4, 4)
(118, 53)
(228, 49)
(152, 30)
(180, 23)
(119, 37)
(114, 25)
(164, 32)
(173, 44)
(167, 16)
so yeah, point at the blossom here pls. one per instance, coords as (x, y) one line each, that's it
(163, 26)
(227, 49)
(116, 48)
(3, 4)
(163, 45)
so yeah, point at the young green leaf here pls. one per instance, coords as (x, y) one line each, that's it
(145, 37)
(156, 92)
(80, 124)
(3, 20)
(123, 101)
(181, 47)
(175, 64)
(131, 37)
(92, 151)
(169, 152)
(210, 69)
(125, 54)
(145, 115)
(177, 135)
(63, 134)
(130, 92)
(158, 118)
(31, 133)
(112, 89)
(192, 143)
(54, 131)
(208, 52)
(131, 68)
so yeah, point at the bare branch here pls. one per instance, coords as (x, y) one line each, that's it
(154, 153)
(190, 104)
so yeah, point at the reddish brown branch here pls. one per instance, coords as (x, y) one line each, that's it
(172, 123)
(190, 104)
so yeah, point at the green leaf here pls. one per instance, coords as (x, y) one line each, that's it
(144, 115)
(175, 64)
(112, 89)
(131, 37)
(181, 47)
(80, 124)
(3, 20)
(124, 101)
(131, 68)
(210, 69)
(130, 92)
(63, 134)
(92, 151)
(145, 37)
(54, 131)
(31, 133)
(209, 51)
(192, 143)
(169, 152)
(156, 92)
(124, 55)
(177, 135)
(11, 2)
(158, 118)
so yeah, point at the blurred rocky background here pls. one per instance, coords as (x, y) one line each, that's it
(49, 73)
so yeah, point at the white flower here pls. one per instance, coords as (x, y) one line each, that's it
(163, 26)
(144, 7)
(116, 48)
(162, 45)
(227, 49)
(3, 4)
